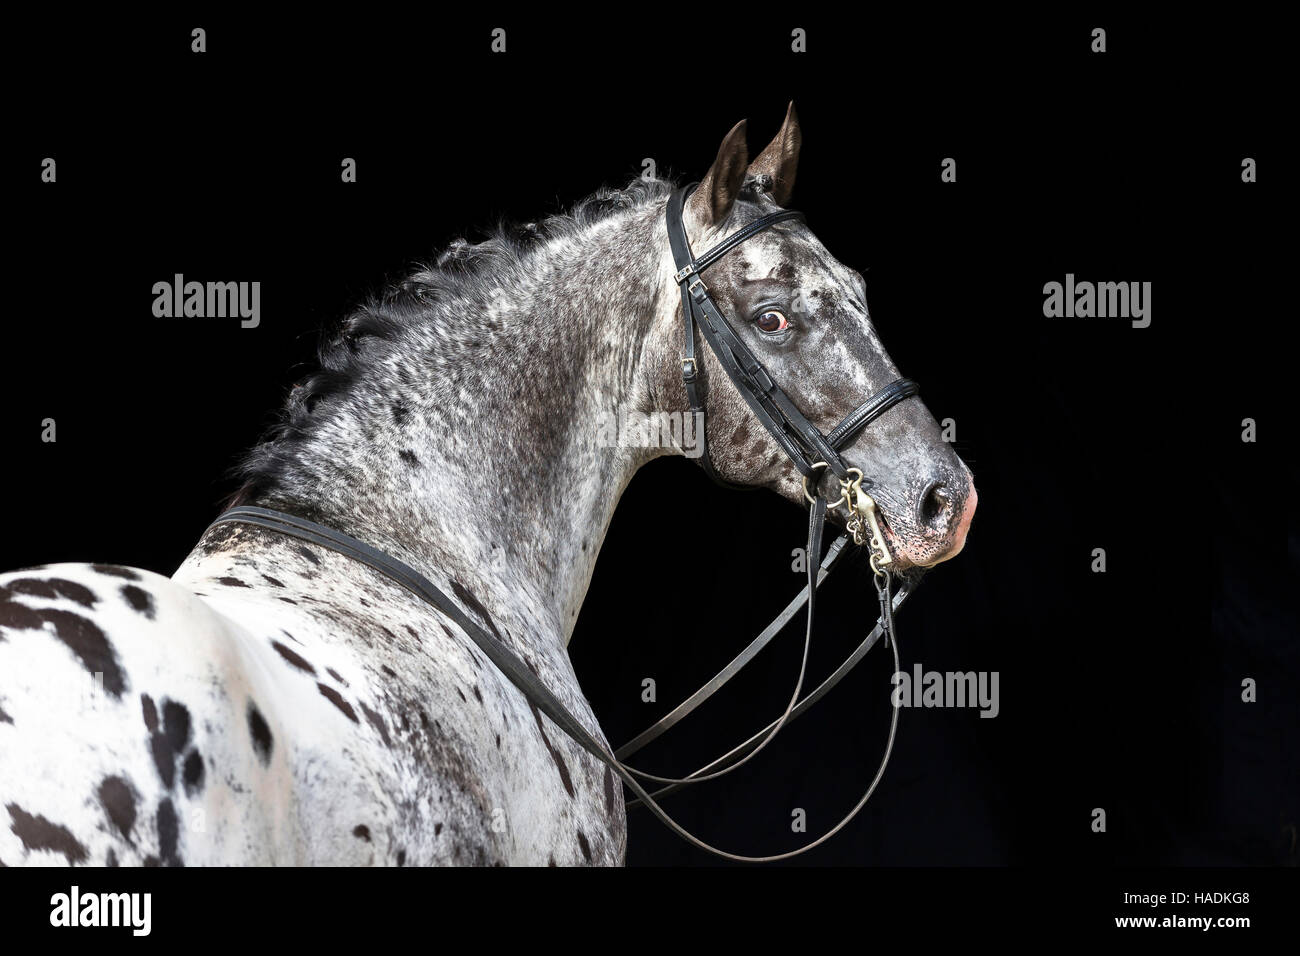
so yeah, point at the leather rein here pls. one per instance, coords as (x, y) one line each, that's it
(807, 447)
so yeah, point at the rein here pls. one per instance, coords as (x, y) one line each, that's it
(539, 694)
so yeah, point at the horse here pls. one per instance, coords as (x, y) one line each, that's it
(277, 702)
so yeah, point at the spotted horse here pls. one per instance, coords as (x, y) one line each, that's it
(277, 701)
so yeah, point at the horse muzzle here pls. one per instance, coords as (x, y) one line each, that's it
(932, 527)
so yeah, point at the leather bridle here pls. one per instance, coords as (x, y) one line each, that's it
(807, 448)
(800, 439)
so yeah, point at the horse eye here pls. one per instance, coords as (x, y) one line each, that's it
(772, 321)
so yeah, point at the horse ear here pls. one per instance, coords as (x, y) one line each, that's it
(781, 158)
(717, 192)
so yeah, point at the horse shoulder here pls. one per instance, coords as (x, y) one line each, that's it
(141, 695)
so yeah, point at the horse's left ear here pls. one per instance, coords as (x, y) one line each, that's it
(712, 200)
(781, 158)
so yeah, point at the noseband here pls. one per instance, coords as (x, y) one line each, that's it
(807, 448)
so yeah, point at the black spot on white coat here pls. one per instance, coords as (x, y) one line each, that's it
(377, 722)
(118, 801)
(260, 732)
(335, 698)
(54, 589)
(80, 634)
(168, 833)
(192, 773)
(297, 660)
(38, 833)
(115, 571)
(466, 597)
(167, 742)
(139, 599)
(560, 765)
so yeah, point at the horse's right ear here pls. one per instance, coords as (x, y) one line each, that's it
(716, 194)
(781, 158)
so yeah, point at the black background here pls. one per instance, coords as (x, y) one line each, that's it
(1118, 690)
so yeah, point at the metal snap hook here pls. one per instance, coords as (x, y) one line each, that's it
(852, 490)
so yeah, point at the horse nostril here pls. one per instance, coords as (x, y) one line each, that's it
(936, 503)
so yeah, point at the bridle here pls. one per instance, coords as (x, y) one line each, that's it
(807, 448)
(801, 440)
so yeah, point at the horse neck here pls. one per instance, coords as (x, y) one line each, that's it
(494, 476)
